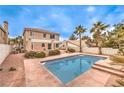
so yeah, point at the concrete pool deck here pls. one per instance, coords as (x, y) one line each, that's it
(13, 78)
(37, 76)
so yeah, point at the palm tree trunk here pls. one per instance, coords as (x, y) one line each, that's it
(100, 50)
(80, 43)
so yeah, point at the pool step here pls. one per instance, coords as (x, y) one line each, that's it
(109, 67)
(112, 71)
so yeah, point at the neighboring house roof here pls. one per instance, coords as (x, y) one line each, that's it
(39, 30)
(75, 43)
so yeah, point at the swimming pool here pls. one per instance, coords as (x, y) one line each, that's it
(66, 69)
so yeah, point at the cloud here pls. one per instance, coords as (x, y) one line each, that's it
(62, 20)
(40, 20)
(90, 9)
(94, 19)
(63, 38)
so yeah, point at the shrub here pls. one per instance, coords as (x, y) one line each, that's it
(120, 82)
(117, 59)
(12, 69)
(18, 49)
(54, 52)
(1, 69)
(39, 54)
(71, 50)
(23, 51)
(121, 51)
(30, 54)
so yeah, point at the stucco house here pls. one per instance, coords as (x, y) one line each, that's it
(40, 40)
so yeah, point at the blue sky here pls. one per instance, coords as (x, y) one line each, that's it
(62, 19)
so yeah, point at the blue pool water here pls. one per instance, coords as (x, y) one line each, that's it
(66, 69)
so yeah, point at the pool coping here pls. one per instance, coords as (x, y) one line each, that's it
(53, 75)
(60, 81)
(58, 57)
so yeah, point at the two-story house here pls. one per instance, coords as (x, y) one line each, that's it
(40, 40)
(4, 33)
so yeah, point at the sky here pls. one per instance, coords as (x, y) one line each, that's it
(63, 19)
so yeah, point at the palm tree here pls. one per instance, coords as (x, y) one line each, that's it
(98, 35)
(79, 30)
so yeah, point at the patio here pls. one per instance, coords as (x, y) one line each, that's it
(31, 73)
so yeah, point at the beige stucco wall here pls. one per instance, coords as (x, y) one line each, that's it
(4, 51)
(109, 51)
(90, 50)
(105, 51)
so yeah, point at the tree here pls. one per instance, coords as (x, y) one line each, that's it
(110, 40)
(98, 34)
(18, 41)
(72, 37)
(79, 31)
(119, 36)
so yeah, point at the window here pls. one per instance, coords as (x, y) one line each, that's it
(31, 34)
(49, 46)
(43, 45)
(52, 36)
(57, 45)
(44, 35)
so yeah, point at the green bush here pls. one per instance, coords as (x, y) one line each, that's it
(71, 50)
(54, 52)
(18, 49)
(39, 54)
(12, 69)
(30, 54)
